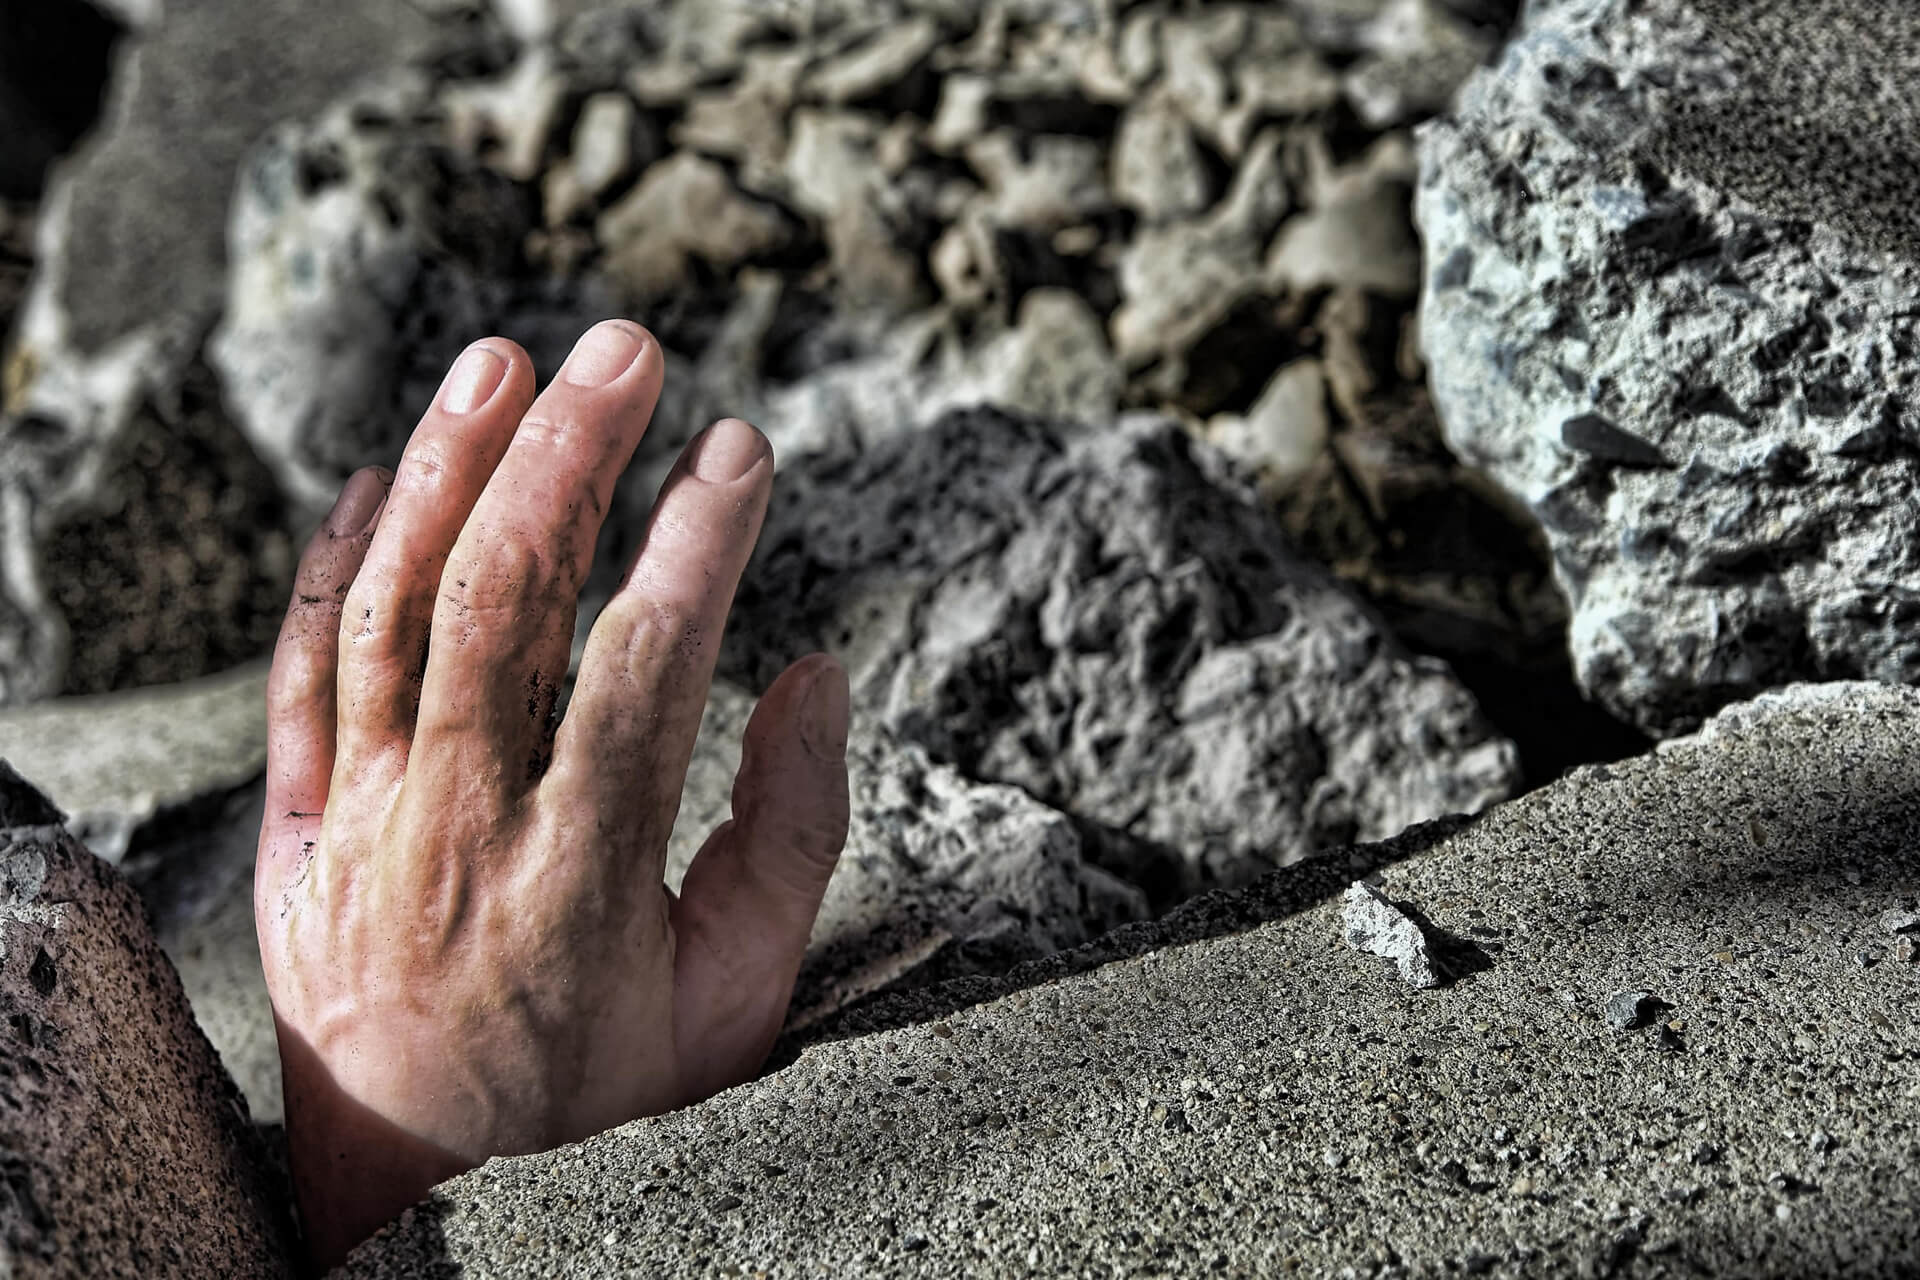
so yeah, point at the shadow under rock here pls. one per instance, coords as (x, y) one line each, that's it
(1216, 914)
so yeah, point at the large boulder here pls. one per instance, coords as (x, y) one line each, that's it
(124, 1147)
(1677, 1038)
(1673, 303)
(104, 372)
(1106, 618)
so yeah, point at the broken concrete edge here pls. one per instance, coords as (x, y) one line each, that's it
(1029, 1125)
(1218, 913)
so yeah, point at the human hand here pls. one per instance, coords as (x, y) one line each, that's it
(461, 910)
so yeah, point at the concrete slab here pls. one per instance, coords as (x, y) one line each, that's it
(1271, 1100)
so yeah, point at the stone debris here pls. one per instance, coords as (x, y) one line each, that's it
(1375, 925)
(1630, 1010)
(125, 1142)
(908, 177)
(940, 878)
(1107, 620)
(1691, 357)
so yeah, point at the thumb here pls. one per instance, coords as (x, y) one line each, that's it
(748, 902)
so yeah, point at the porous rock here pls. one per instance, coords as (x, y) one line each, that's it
(1105, 618)
(940, 877)
(1046, 1122)
(367, 251)
(125, 1146)
(130, 256)
(1671, 303)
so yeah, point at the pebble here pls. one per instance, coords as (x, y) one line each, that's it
(1378, 927)
(1627, 1010)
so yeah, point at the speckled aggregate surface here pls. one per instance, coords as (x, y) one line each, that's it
(1269, 1101)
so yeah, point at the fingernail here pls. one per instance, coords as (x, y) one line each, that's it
(353, 509)
(824, 714)
(602, 354)
(726, 451)
(474, 378)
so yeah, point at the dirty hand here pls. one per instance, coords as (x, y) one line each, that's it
(462, 917)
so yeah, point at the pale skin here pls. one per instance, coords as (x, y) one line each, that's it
(462, 916)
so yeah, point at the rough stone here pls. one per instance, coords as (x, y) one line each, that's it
(1053, 363)
(1106, 619)
(1627, 1010)
(1420, 51)
(1897, 920)
(1181, 279)
(1375, 925)
(1689, 355)
(126, 1148)
(365, 256)
(940, 877)
(832, 173)
(1042, 184)
(685, 209)
(1285, 432)
(1072, 1117)
(509, 118)
(1157, 166)
(113, 761)
(875, 64)
(1363, 242)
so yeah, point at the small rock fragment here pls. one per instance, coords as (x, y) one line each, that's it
(1286, 431)
(1627, 1010)
(686, 207)
(873, 66)
(1364, 241)
(1157, 166)
(1899, 921)
(514, 114)
(1378, 927)
(603, 141)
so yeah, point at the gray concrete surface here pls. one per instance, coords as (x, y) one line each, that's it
(1270, 1100)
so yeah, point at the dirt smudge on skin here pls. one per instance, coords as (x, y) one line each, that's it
(543, 693)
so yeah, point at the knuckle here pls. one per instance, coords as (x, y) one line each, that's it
(508, 577)
(425, 466)
(301, 676)
(657, 633)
